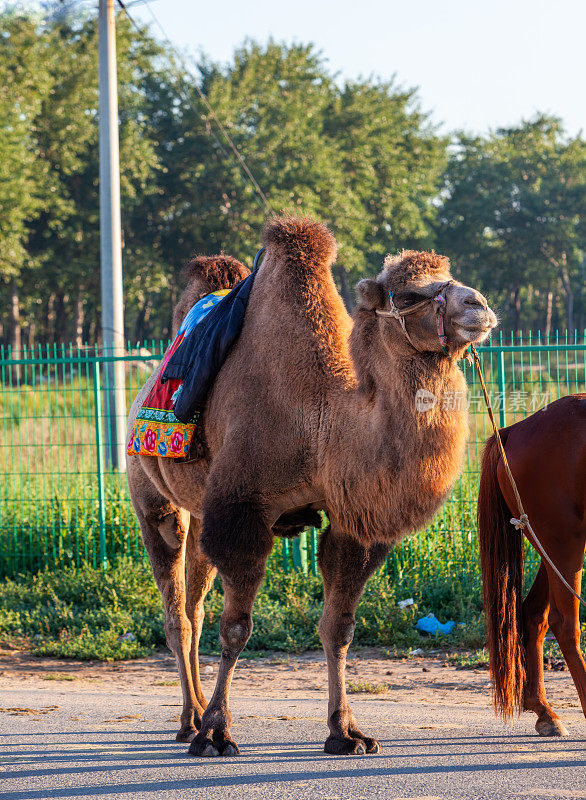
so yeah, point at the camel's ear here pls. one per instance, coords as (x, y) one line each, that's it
(370, 294)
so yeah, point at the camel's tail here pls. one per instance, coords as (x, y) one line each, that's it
(501, 556)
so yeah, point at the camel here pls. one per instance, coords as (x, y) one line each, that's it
(312, 410)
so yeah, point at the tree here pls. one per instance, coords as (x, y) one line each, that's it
(68, 232)
(393, 162)
(54, 217)
(24, 80)
(513, 217)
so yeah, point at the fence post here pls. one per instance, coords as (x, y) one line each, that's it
(100, 461)
(299, 552)
(285, 553)
(502, 388)
(313, 550)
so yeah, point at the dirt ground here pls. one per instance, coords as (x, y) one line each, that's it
(71, 730)
(424, 678)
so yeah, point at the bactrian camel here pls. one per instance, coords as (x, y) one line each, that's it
(312, 410)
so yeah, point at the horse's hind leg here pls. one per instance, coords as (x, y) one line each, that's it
(199, 579)
(535, 624)
(565, 622)
(164, 531)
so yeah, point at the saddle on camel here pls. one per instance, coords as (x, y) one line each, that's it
(311, 410)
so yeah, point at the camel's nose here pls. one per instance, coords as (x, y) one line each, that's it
(475, 300)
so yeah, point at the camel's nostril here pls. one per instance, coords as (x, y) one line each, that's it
(474, 303)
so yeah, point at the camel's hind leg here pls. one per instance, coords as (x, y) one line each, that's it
(564, 620)
(164, 531)
(238, 541)
(199, 579)
(346, 566)
(535, 625)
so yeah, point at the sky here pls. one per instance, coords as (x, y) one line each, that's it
(478, 64)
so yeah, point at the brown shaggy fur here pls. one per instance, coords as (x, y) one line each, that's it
(205, 274)
(306, 245)
(547, 456)
(311, 411)
(414, 265)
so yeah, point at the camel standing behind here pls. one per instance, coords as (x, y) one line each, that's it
(310, 411)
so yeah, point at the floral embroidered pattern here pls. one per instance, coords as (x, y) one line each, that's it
(176, 441)
(157, 431)
(160, 439)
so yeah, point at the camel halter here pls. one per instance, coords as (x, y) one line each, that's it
(400, 314)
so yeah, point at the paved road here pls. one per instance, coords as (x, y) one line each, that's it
(86, 739)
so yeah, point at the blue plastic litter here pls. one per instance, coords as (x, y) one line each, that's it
(430, 624)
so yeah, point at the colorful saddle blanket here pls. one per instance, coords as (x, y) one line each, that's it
(166, 424)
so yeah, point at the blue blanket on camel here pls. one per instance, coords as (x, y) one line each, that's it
(165, 425)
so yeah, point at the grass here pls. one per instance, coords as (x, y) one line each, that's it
(48, 484)
(355, 687)
(83, 613)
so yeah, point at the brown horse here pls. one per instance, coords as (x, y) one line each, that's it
(547, 456)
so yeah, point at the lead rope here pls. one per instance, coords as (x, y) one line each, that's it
(523, 521)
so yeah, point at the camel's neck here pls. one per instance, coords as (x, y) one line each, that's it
(401, 435)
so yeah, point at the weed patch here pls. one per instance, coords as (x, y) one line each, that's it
(355, 687)
(86, 613)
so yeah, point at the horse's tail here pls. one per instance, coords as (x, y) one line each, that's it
(501, 557)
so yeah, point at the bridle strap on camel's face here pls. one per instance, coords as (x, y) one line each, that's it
(400, 314)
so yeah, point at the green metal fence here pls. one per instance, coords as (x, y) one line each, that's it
(60, 503)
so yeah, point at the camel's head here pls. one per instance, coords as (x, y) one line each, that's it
(420, 304)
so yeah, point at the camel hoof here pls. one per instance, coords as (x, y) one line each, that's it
(186, 734)
(204, 749)
(230, 749)
(350, 747)
(551, 727)
(372, 746)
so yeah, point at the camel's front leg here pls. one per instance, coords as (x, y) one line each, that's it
(345, 566)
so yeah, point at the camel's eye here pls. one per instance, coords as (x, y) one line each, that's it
(406, 299)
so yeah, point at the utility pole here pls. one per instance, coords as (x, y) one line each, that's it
(110, 241)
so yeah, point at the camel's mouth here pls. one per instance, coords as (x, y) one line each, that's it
(476, 333)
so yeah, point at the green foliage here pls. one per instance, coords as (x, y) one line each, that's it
(513, 219)
(357, 687)
(24, 183)
(362, 157)
(509, 207)
(82, 613)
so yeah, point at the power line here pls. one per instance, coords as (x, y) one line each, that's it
(245, 169)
